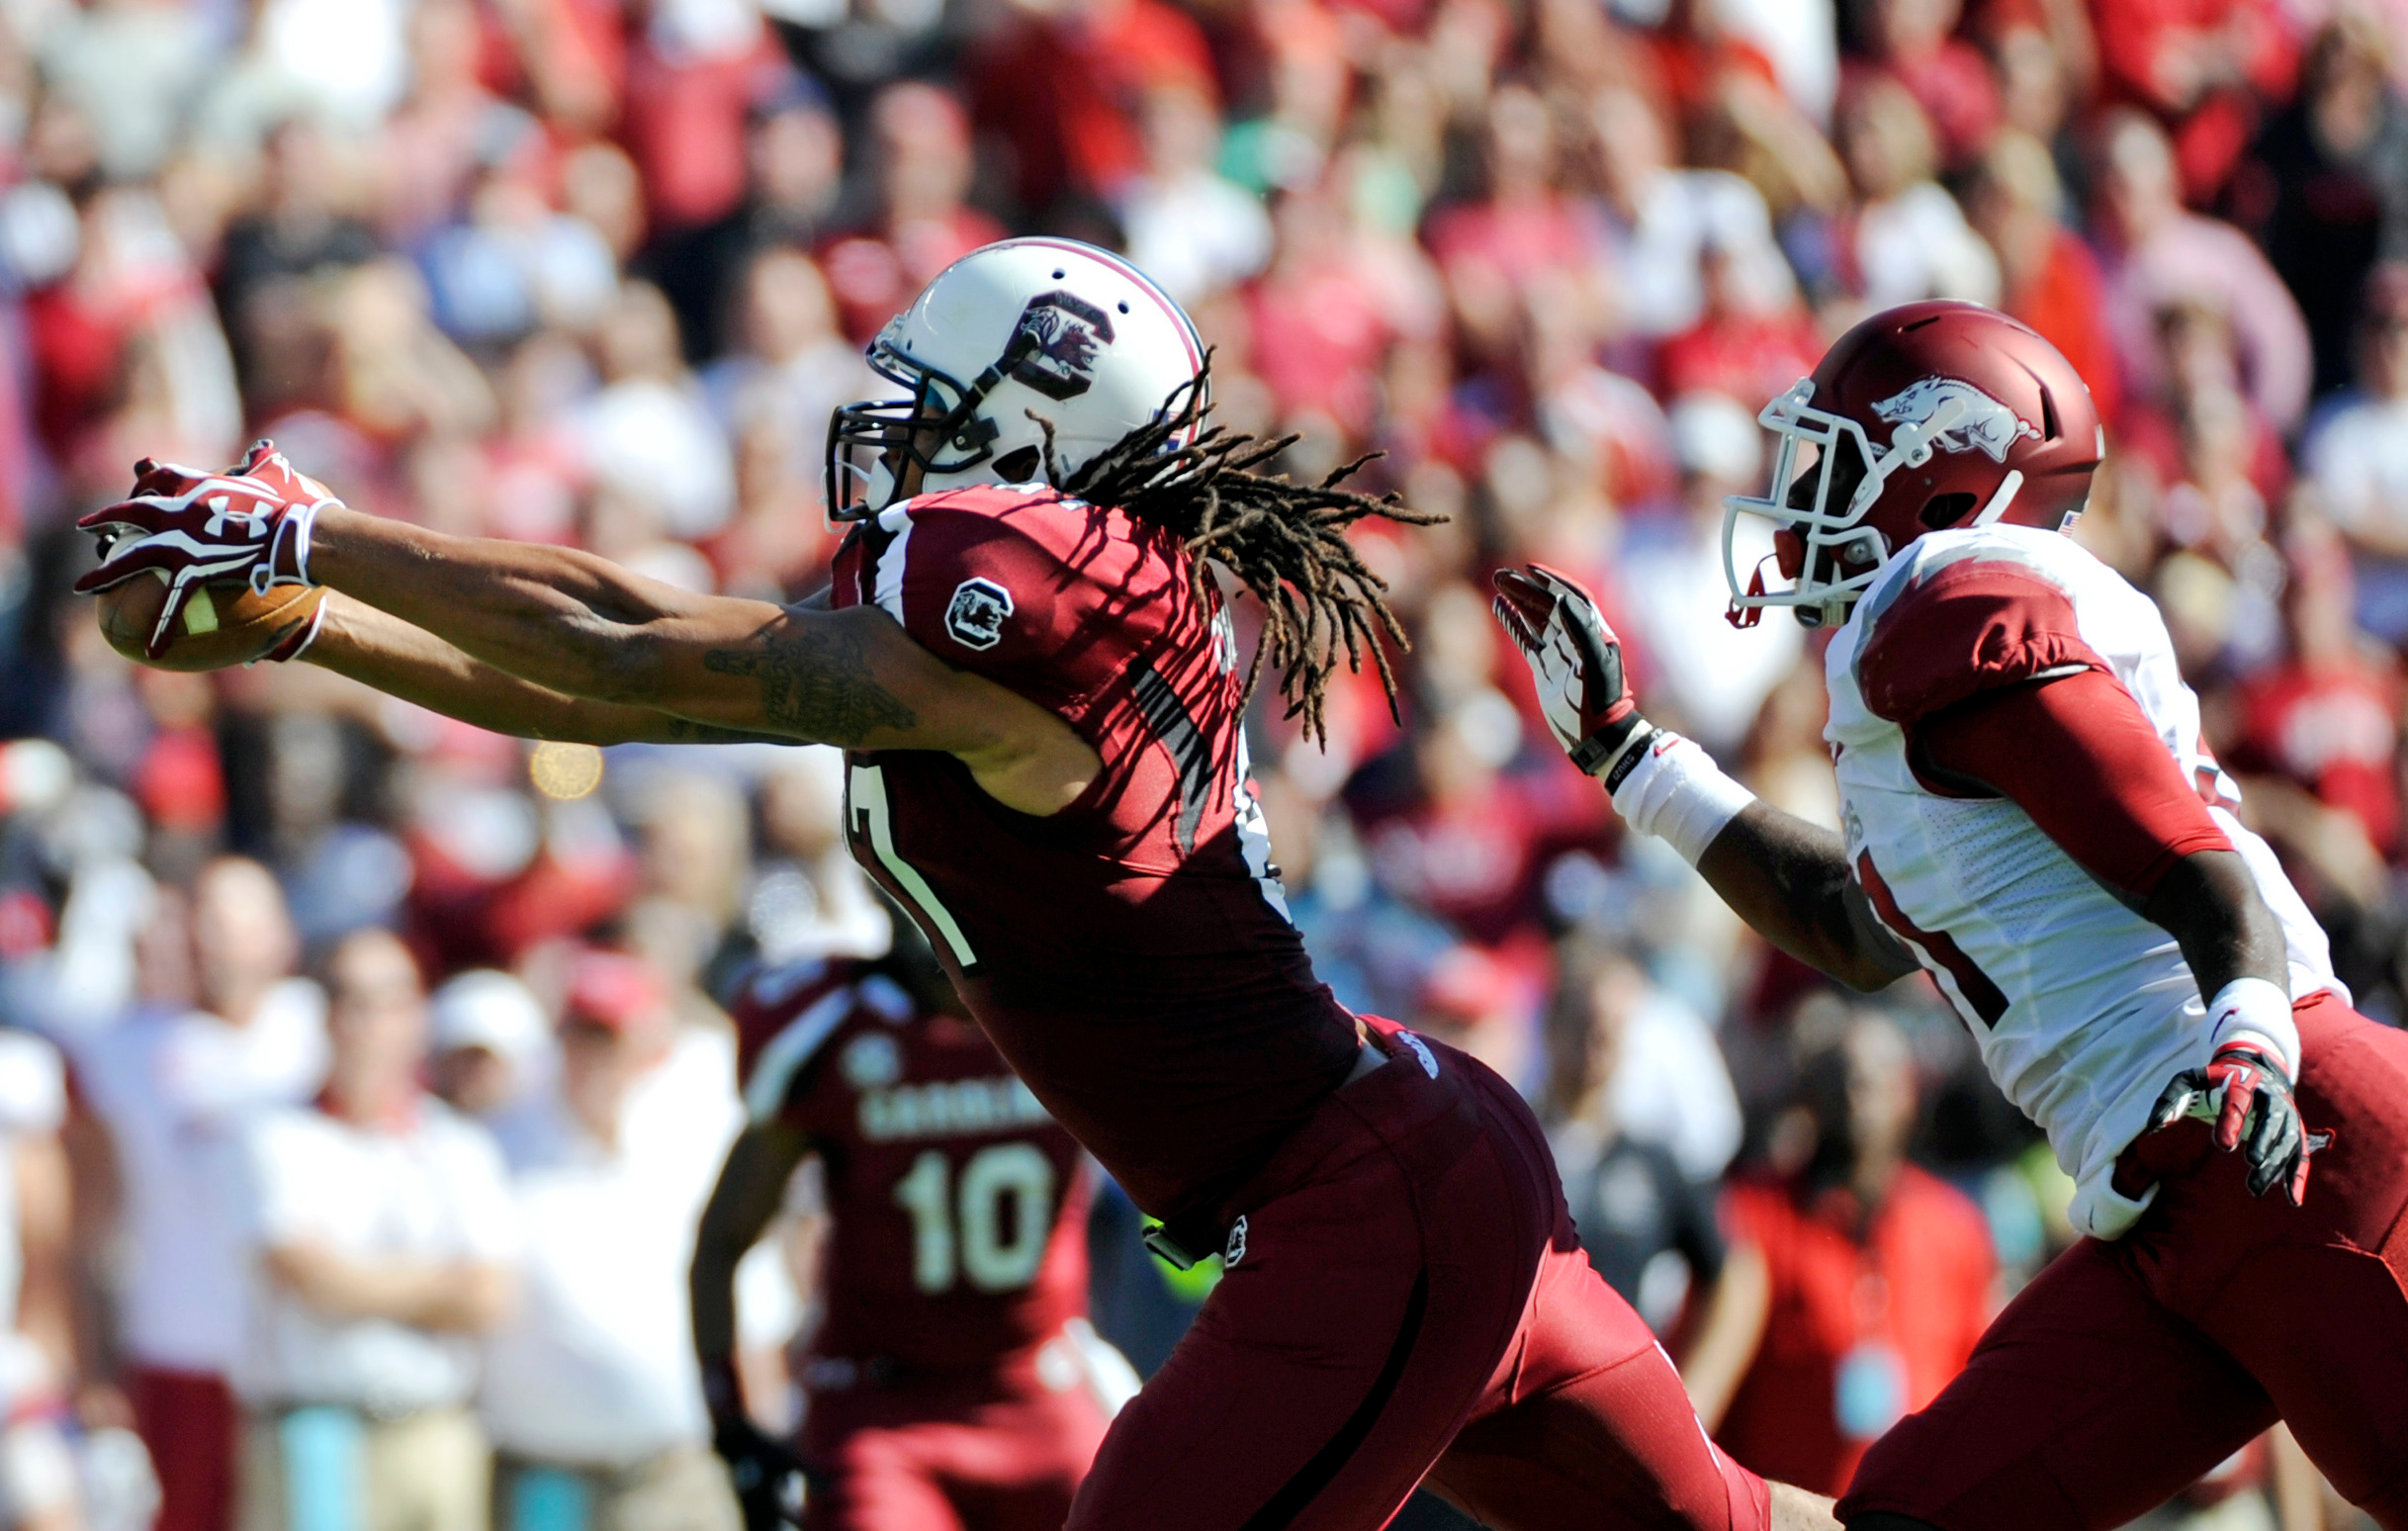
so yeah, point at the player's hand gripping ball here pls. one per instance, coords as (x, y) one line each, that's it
(226, 560)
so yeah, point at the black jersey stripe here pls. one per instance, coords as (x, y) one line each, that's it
(1172, 723)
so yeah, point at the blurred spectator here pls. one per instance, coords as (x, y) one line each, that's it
(381, 1235)
(2049, 278)
(490, 1054)
(2316, 735)
(42, 1330)
(694, 69)
(1190, 228)
(175, 1085)
(1910, 239)
(810, 898)
(1663, 220)
(2356, 458)
(2157, 254)
(794, 159)
(1916, 40)
(660, 467)
(1648, 1229)
(919, 224)
(1878, 1274)
(590, 1386)
(1710, 676)
(2195, 64)
(131, 70)
(1063, 86)
(301, 225)
(773, 395)
(2333, 199)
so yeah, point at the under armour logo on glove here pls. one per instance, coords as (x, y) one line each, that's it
(251, 523)
(1576, 661)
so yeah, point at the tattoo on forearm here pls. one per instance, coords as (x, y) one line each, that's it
(815, 685)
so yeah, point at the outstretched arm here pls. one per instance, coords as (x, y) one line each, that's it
(574, 625)
(581, 626)
(1784, 876)
(384, 652)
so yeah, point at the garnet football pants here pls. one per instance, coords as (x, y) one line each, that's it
(1410, 1299)
(921, 1458)
(2128, 1369)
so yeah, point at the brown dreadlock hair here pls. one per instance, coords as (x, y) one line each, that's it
(1286, 542)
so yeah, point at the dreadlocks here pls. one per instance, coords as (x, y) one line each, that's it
(1286, 542)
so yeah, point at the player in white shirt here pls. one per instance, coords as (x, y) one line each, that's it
(2031, 818)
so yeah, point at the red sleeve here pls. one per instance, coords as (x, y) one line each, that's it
(1968, 627)
(971, 575)
(2082, 758)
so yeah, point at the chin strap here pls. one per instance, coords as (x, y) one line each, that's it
(1745, 615)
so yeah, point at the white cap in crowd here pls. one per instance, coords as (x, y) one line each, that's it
(488, 1009)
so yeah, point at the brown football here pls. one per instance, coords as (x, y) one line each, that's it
(222, 625)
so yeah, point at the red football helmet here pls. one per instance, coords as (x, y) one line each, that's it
(1922, 417)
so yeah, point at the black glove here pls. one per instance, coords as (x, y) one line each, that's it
(766, 1475)
(2246, 1091)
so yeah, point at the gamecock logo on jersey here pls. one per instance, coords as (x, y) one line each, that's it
(1981, 424)
(1057, 338)
(975, 616)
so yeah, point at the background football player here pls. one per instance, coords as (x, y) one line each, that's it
(2031, 818)
(953, 1380)
(1034, 672)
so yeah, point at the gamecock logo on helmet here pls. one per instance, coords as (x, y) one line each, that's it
(1982, 423)
(1057, 338)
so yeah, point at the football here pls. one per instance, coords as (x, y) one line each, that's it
(221, 625)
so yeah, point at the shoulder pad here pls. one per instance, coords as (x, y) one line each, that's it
(1967, 614)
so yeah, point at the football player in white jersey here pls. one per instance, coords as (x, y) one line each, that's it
(2031, 818)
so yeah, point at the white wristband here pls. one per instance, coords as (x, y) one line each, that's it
(1678, 793)
(2255, 1009)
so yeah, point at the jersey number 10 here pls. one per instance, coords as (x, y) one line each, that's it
(961, 1228)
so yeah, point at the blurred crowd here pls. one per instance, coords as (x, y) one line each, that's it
(363, 1074)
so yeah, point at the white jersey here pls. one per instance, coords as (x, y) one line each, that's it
(2083, 1010)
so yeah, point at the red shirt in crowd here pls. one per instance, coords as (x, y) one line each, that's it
(1953, 85)
(1065, 91)
(2332, 729)
(1864, 1328)
(1752, 358)
(2064, 303)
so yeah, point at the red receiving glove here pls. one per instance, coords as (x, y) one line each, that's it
(1577, 662)
(252, 522)
(2246, 1089)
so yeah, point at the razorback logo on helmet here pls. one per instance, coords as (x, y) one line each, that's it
(1982, 423)
(974, 618)
(1058, 337)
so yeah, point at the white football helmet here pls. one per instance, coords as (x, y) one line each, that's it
(1044, 326)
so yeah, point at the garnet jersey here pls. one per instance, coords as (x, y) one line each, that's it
(957, 1208)
(1132, 954)
(2082, 1008)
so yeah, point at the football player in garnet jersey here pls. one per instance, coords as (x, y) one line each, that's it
(1027, 655)
(952, 1382)
(2031, 818)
